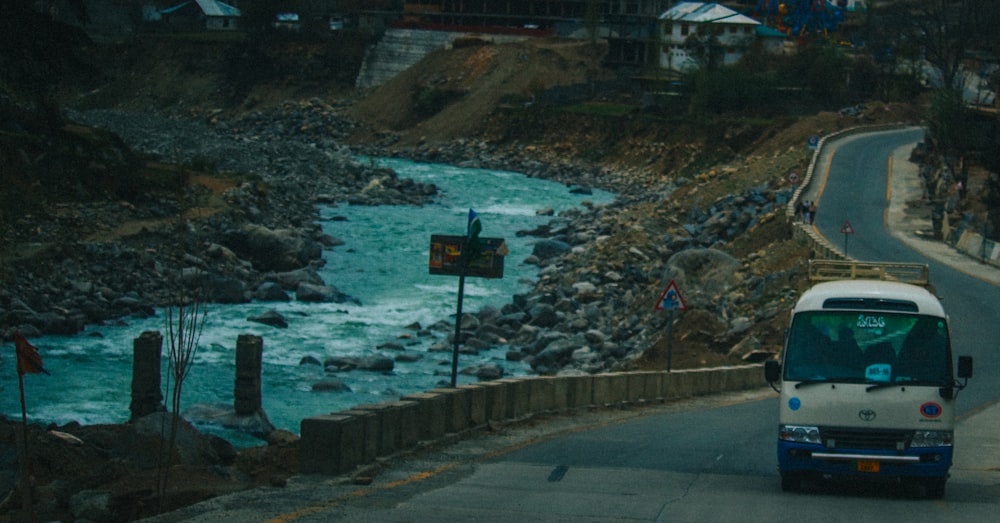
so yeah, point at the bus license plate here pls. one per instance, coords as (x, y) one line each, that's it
(867, 466)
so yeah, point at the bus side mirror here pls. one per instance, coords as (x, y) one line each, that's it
(965, 367)
(772, 371)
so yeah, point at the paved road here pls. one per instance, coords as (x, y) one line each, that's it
(707, 459)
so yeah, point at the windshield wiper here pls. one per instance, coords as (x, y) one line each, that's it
(815, 381)
(882, 385)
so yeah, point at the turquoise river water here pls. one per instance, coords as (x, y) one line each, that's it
(383, 263)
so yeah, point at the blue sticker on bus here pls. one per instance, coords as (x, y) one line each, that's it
(794, 403)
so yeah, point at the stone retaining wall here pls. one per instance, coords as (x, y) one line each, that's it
(339, 442)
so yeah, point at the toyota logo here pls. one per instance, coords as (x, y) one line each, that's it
(866, 414)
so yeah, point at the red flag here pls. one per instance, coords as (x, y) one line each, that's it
(29, 361)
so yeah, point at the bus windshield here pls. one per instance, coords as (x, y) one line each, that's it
(868, 347)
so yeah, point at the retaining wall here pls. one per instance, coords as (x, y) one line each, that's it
(339, 442)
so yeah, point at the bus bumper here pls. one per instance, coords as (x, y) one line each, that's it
(923, 462)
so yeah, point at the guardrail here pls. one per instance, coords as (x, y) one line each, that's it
(340, 442)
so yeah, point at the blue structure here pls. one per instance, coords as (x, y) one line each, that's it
(800, 17)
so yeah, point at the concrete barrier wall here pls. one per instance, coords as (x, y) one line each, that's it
(340, 442)
(974, 245)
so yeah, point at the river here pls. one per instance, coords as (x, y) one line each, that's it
(383, 263)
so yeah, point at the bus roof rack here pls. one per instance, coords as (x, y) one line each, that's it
(831, 270)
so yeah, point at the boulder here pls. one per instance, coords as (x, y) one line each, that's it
(273, 249)
(272, 318)
(545, 249)
(369, 363)
(322, 294)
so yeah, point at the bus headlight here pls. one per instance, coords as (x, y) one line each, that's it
(799, 433)
(931, 438)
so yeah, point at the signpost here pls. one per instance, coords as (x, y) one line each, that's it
(463, 256)
(846, 230)
(671, 300)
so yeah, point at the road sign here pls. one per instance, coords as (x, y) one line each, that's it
(671, 299)
(446, 256)
(793, 178)
(846, 230)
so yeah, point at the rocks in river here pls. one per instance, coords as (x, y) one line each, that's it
(322, 294)
(310, 360)
(484, 372)
(545, 249)
(368, 363)
(256, 424)
(270, 291)
(269, 232)
(272, 249)
(589, 310)
(330, 385)
(272, 318)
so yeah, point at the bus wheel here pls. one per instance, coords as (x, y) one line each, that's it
(791, 481)
(934, 487)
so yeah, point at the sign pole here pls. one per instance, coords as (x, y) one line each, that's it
(670, 338)
(847, 229)
(671, 301)
(463, 263)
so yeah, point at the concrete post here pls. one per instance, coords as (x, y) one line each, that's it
(147, 397)
(249, 359)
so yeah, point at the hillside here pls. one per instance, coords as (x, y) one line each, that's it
(544, 100)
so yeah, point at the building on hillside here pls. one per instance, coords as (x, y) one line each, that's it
(195, 15)
(697, 34)
(632, 32)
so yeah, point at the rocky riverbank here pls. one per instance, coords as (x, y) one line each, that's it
(600, 266)
(265, 243)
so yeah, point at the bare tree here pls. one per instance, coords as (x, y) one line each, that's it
(939, 31)
(185, 321)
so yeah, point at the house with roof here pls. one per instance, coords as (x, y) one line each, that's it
(196, 15)
(696, 34)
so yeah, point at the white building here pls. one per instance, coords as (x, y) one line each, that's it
(693, 33)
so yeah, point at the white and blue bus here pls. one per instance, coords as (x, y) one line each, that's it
(867, 379)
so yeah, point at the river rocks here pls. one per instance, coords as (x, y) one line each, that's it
(545, 249)
(273, 249)
(256, 423)
(376, 363)
(272, 318)
(601, 267)
(322, 294)
(269, 232)
(330, 385)
(270, 291)
(591, 309)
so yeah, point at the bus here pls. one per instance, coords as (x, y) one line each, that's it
(866, 378)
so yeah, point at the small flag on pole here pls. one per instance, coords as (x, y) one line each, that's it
(472, 233)
(29, 361)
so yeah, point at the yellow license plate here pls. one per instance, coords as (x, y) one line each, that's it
(867, 466)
